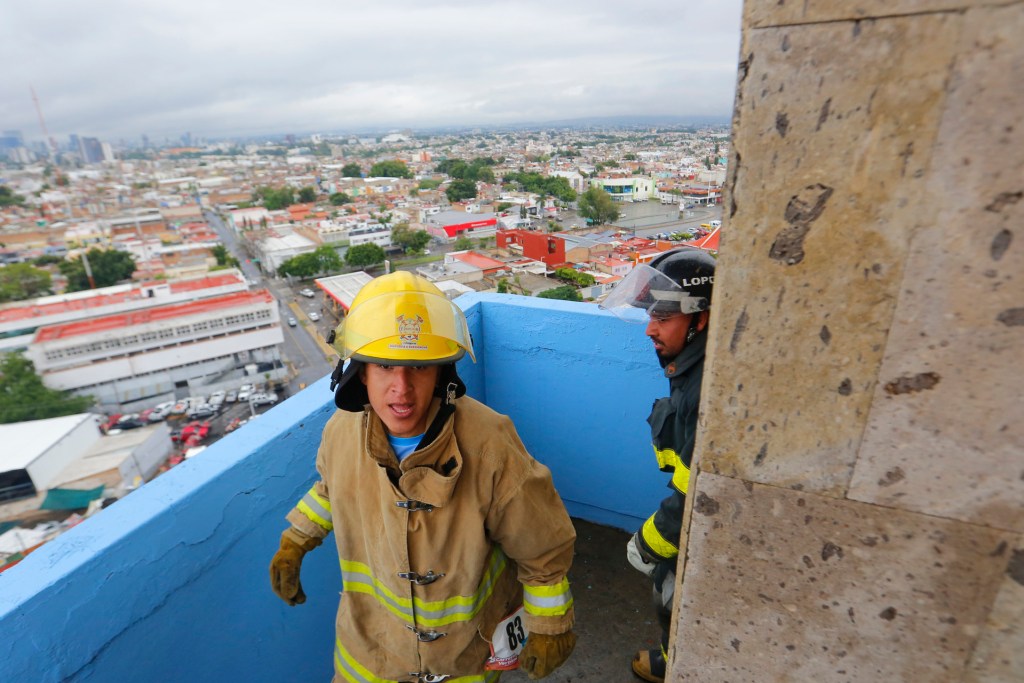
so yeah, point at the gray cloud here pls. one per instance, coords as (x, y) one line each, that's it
(117, 69)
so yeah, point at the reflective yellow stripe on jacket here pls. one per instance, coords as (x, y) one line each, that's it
(547, 601)
(317, 509)
(351, 670)
(356, 577)
(668, 458)
(658, 543)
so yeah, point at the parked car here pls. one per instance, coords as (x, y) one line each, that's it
(307, 292)
(193, 431)
(231, 396)
(110, 422)
(292, 322)
(217, 398)
(130, 421)
(201, 410)
(161, 411)
(261, 398)
(314, 316)
(245, 391)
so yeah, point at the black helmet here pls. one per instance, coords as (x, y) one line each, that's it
(677, 281)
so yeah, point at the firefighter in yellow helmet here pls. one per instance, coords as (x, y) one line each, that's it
(454, 544)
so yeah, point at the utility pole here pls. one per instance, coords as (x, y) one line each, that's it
(88, 270)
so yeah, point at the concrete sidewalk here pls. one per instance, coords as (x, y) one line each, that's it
(614, 613)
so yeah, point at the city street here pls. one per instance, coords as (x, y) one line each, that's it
(302, 353)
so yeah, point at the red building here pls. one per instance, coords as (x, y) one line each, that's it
(539, 246)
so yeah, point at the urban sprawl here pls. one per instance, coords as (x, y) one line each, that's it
(156, 297)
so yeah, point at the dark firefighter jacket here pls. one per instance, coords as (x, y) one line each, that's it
(437, 549)
(673, 422)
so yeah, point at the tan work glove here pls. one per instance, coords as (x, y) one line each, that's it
(544, 653)
(284, 568)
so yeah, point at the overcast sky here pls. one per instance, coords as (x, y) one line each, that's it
(116, 69)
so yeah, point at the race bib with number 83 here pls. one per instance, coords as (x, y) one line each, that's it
(507, 642)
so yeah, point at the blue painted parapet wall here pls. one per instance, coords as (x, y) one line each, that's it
(172, 584)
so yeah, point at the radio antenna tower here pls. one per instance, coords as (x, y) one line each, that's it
(42, 124)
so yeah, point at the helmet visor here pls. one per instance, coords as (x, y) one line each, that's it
(652, 291)
(405, 328)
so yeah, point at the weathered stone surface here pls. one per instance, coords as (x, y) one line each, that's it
(782, 585)
(760, 14)
(829, 163)
(999, 657)
(946, 431)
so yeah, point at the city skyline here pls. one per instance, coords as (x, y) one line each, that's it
(250, 70)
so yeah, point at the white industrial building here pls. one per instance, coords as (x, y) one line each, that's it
(36, 452)
(20, 320)
(281, 245)
(137, 358)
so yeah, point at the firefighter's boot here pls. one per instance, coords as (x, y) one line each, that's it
(650, 665)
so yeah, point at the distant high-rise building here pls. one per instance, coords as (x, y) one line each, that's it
(11, 139)
(92, 150)
(186, 140)
(145, 141)
(10, 142)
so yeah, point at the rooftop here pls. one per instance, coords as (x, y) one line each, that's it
(160, 313)
(180, 565)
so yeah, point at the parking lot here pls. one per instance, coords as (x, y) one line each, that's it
(228, 417)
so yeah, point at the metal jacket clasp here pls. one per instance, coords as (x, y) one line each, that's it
(414, 506)
(426, 636)
(420, 579)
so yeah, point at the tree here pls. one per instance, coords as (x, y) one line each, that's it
(364, 255)
(108, 268)
(390, 169)
(477, 169)
(275, 199)
(307, 194)
(463, 243)
(597, 205)
(323, 260)
(557, 187)
(24, 397)
(574, 276)
(411, 241)
(461, 189)
(8, 198)
(328, 259)
(301, 266)
(20, 281)
(564, 292)
(220, 253)
(351, 170)
(429, 184)
(339, 198)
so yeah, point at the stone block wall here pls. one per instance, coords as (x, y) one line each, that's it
(859, 509)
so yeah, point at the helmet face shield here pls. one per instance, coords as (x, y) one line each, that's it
(405, 328)
(652, 291)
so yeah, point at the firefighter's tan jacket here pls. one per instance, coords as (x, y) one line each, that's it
(439, 548)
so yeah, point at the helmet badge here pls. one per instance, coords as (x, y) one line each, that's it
(409, 328)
